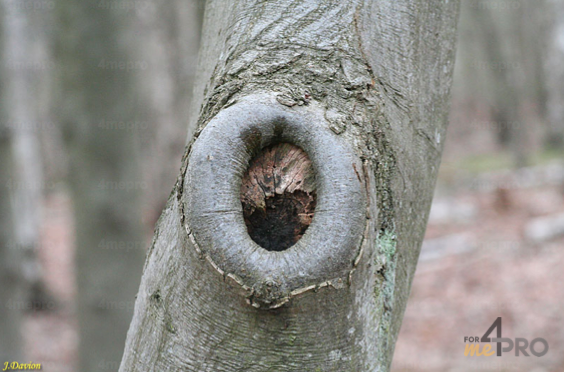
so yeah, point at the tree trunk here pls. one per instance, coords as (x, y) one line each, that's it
(99, 114)
(27, 179)
(554, 71)
(340, 108)
(10, 275)
(506, 81)
(10, 259)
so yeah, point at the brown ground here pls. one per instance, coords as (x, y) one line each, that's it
(462, 294)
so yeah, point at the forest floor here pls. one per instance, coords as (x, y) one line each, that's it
(480, 261)
(479, 264)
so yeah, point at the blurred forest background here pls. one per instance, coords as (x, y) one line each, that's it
(95, 97)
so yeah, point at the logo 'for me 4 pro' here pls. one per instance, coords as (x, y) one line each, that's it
(537, 347)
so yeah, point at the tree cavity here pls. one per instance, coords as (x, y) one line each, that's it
(278, 194)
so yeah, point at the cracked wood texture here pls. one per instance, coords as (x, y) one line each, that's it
(379, 72)
(278, 196)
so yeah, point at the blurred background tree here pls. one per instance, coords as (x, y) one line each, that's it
(124, 74)
(99, 113)
(554, 73)
(21, 276)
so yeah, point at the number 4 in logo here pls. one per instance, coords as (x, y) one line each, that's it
(485, 337)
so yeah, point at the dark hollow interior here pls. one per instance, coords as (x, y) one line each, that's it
(277, 196)
(278, 227)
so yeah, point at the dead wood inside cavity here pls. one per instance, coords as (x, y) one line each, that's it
(278, 196)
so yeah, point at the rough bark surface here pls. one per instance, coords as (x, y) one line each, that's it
(361, 87)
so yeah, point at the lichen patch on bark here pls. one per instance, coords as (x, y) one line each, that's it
(278, 194)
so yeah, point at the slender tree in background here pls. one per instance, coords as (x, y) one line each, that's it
(341, 108)
(98, 109)
(554, 70)
(10, 259)
(21, 183)
(20, 72)
(505, 77)
(505, 81)
(533, 22)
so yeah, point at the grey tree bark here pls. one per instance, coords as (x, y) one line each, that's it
(10, 259)
(10, 316)
(11, 279)
(98, 110)
(554, 71)
(362, 87)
